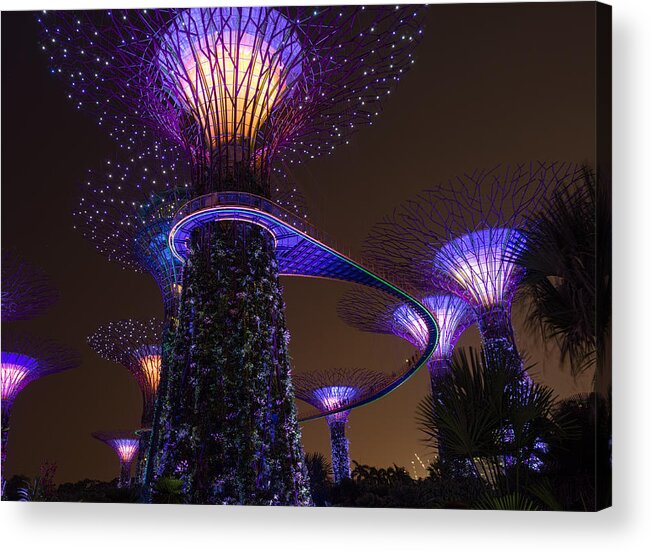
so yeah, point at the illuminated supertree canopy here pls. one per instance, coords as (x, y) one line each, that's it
(136, 345)
(125, 211)
(125, 444)
(26, 291)
(371, 311)
(234, 85)
(26, 358)
(330, 391)
(238, 91)
(463, 236)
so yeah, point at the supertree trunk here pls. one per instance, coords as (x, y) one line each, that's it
(228, 423)
(143, 455)
(339, 444)
(154, 443)
(5, 435)
(437, 369)
(125, 474)
(498, 340)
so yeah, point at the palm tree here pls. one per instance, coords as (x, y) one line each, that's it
(320, 472)
(493, 421)
(567, 261)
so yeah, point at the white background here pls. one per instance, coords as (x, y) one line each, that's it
(626, 526)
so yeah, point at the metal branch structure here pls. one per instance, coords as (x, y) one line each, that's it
(125, 444)
(238, 91)
(233, 85)
(26, 358)
(26, 291)
(329, 392)
(125, 211)
(374, 312)
(462, 236)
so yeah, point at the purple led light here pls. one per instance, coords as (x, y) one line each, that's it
(127, 449)
(17, 370)
(454, 316)
(480, 264)
(334, 397)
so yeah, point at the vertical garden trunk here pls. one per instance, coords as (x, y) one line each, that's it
(228, 424)
(339, 444)
(498, 340)
(125, 474)
(5, 436)
(143, 455)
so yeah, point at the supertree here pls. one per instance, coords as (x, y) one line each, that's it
(237, 90)
(125, 444)
(136, 345)
(375, 312)
(26, 358)
(330, 390)
(463, 236)
(26, 291)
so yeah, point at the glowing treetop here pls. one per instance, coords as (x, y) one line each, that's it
(26, 291)
(335, 389)
(125, 444)
(26, 358)
(135, 345)
(463, 236)
(234, 86)
(369, 310)
(330, 391)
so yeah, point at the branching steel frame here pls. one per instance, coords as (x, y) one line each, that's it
(301, 250)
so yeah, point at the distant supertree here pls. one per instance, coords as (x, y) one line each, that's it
(136, 345)
(125, 444)
(237, 90)
(331, 390)
(463, 236)
(26, 291)
(376, 312)
(26, 358)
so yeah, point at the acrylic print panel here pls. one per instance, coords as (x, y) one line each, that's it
(418, 196)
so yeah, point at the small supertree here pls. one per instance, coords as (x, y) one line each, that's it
(332, 390)
(26, 358)
(125, 444)
(376, 312)
(136, 345)
(463, 235)
(26, 291)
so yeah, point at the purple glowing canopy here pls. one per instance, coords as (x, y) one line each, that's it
(337, 388)
(374, 312)
(234, 84)
(462, 235)
(26, 358)
(479, 265)
(124, 443)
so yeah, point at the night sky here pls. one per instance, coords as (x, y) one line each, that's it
(491, 84)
